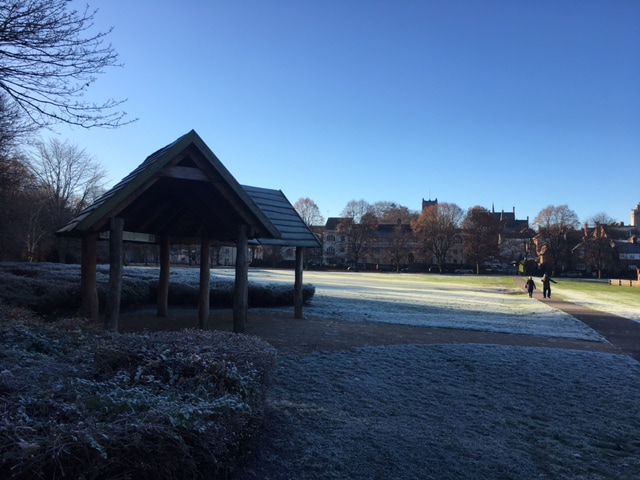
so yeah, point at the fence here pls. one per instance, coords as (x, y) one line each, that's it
(624, 282)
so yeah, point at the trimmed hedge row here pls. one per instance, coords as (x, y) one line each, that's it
(54, 289)
(84, 403)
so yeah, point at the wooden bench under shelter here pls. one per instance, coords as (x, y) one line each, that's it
(183, 194)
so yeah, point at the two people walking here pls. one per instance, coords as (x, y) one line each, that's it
(546, 280)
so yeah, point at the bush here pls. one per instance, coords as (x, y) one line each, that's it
(83, 403)
(53, 290)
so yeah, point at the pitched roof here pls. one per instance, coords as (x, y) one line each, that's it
(293, 230)
(334, 222)
(180, 190)
(627, 247)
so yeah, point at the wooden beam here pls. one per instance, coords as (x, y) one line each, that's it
(205, 276)
(241, 286)
(132, 237)
(112, 307)
(297, 287)
(88, 282)
(184, 173)
(163, 282)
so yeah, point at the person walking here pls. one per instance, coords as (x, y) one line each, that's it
(546, 286)
(530, 286)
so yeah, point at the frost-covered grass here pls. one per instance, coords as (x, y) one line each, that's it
(419, 411)
(599, 295)
(451, 412)
(447, 412)
(486, 303)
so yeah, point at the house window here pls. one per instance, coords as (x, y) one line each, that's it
(331, 250)
(331, 238)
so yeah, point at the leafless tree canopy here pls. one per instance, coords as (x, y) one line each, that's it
(14, 129)
(436, 228)
(359, 222)
(392, 213)
(49, 57)
(601, 218)
(308, 211)
(480, 229)
(70, 177)
(554, 223)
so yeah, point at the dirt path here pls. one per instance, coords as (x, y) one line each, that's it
(622, 333)
(316, 334)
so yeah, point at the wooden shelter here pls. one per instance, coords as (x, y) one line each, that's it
(293, 231)
(183, 194)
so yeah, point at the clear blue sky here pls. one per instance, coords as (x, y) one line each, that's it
(511, 103)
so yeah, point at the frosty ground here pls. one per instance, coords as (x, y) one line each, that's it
(447, 411)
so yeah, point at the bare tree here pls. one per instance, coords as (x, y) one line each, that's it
(436, 229)
(308, 211)
(16, 198)
(602, 218)
(480, 229)
(14, 128)
(599, 249)
(49, 57)
(397, 244)
(71, 177)
(390, 213)
(555, 224)
(358, 224)
(68, 180)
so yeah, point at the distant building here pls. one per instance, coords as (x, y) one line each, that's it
(515, 237)
(635, 216)
(334, 243)
(429, 203)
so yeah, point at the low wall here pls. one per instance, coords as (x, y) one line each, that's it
(624, 282)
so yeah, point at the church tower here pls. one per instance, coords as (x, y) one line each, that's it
(635, 216)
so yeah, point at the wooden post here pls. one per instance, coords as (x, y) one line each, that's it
(241, 286)
(297, 287)
(88, 282)
(205, 275)
(112, 307)
(163, 281)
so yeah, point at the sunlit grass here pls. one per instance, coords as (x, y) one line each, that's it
(569, 289)
(464, 280)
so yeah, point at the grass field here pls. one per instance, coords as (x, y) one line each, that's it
(596, 294)
(452, 411)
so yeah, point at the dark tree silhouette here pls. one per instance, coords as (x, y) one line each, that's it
(436, 229)
(480, 229)
(555, 224)
(49, 57)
